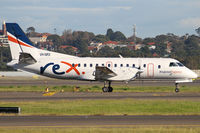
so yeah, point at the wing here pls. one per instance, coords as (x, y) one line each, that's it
(104, 73)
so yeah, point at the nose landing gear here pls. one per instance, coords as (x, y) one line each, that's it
(107, 89)
(177, 88)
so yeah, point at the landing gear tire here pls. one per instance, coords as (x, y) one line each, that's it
(110, 89)
(105, 89)
(176, 90)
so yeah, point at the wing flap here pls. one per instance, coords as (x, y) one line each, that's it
(103, 73)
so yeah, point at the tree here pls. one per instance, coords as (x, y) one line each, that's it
(57, 41)
(198, 31)
(82, 47)
(109, 34)
(67, 36)
(80, 35)
(5, 57)
(148, 40)
(30, 29)
(101, 38)
(191, 46)
(69, 50)
(146, 52)
(161, 49)
(118, 36)
(106, 51)
(178, 51)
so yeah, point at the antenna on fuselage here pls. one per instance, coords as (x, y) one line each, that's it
(121, 56)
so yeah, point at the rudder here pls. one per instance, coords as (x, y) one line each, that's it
(18, 41)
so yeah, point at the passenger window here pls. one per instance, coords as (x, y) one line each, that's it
(79, 65)
(133, 65)
(102, 64)
(85, 65)
(97, 64)
(159, 66)
(90, 65)
(73, 65)
(108, 65)
(121, 65)
(127, 65)
(144, 65)
(115, 65)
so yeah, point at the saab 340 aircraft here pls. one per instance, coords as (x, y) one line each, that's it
(56, 65)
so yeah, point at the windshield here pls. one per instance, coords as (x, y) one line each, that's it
(180, 64)
(175, 64)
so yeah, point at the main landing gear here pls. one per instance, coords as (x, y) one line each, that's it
(177, 88)
(107, 89)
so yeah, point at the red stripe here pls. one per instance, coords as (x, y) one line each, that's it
(17, 41)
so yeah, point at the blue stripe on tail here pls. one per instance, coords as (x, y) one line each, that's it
(15, 30)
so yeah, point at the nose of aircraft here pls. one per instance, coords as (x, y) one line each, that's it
(194, 75)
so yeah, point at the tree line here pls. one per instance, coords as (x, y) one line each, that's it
(184, 48)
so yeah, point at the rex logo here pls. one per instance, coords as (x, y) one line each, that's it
(56, 67)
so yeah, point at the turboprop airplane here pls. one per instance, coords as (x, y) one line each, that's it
(56, 65)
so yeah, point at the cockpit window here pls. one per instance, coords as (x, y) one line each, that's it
(173, 64)
(180, 64)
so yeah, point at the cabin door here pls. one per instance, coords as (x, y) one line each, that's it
(150, 70)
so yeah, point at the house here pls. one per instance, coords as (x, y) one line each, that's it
(155, 55)
(94, 46)
(92, 49)
(45, 45)
(113, 44)
(3, 41)
(138, 46)
(151, 45)
(3, 36)
(40, 37)
(110, 43)
(169, 46)
(68, 46)
(131, 47)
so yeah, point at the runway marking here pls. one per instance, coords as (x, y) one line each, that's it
(104, 126)
(49, 93)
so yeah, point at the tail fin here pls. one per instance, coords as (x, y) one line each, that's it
(19, 43)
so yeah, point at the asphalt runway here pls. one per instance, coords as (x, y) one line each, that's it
(103, 121)
(100, 121)
(17, 81)
(37, 96)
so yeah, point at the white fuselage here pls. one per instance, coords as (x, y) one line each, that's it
(83, 68)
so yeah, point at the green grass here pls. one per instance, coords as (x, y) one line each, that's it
(87, 88)
(107, 107)
(101, 130)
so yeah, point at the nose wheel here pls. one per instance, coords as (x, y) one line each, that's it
(177, 88)
(107, 89)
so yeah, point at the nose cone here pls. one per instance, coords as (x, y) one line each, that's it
(190, 74)
(194, 75)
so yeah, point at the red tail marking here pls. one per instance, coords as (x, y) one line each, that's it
(17, 41)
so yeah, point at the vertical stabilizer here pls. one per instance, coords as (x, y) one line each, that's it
(18, 41)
